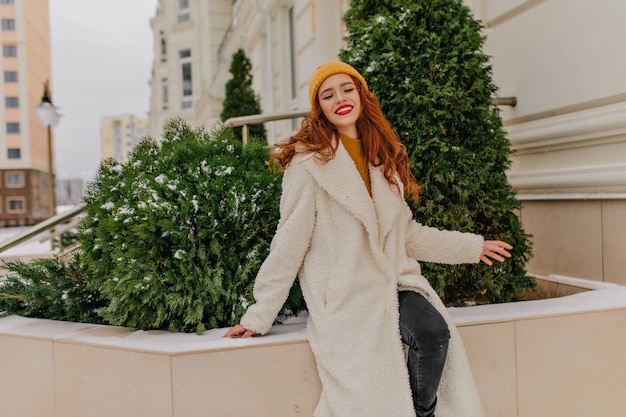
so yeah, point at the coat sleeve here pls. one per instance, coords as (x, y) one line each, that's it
(429, 244)
(287, 250)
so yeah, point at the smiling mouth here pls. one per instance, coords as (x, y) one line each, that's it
(343, 110)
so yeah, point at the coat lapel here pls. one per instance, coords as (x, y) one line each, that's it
(342, 181)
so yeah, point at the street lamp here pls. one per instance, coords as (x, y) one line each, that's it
(49, 116)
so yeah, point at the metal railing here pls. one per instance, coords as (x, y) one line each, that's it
(42, 227)
(255, 119)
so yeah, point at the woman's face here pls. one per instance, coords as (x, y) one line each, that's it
(340, 102)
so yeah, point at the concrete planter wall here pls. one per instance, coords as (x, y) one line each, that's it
(558, 357)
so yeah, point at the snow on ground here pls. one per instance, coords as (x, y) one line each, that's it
(32, 246)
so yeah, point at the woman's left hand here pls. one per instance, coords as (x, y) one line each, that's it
(495, 249)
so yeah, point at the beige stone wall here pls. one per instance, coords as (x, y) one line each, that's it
(529, 359)
(578, 238)
(562, 60)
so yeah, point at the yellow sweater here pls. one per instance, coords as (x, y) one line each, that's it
(355, 150)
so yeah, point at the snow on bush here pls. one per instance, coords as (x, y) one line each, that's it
(174, 238)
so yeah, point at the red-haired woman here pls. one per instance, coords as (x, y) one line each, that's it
(347, 233)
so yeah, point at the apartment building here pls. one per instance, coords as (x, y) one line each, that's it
(26, 67)
(194, 41)
(120, 134)
(70, 190)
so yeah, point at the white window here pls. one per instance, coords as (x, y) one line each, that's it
(292, 66)
(15, 180)
(165, 94)
(183, 10)
(187, 85)
(163, 47)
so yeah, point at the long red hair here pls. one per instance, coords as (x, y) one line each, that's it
(380, 143)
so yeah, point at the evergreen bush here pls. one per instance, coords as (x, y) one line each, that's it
(240, 99)
(49, 288)
(424, 62)
(173, 238)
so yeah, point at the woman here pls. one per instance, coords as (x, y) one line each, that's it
(347, 232)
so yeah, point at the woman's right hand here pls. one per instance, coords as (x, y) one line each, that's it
(239, 331)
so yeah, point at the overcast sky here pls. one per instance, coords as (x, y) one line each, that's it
(101, 63)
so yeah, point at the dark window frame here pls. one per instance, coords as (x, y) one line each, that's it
(20, 209)
(10, 76)
(9, 51)
(12, 102)
(13, 127)
(8, 24)
(14, 153)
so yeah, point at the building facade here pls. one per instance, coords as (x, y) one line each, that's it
(26, 67)
(194, 42)
(561, 59)
(120, 134)
(71, 189)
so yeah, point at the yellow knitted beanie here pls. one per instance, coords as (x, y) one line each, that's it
(326, 70)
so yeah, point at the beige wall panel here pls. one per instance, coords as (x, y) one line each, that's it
(11, 65)
(84, 376)
(568, 355)
(614, 241)
(558, 362)
(491, 352)
(263, 379)
(30, 362)
(567, 237)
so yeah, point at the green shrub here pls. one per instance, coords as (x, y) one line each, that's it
(423, 60)
(49, 288)
(239, 98)
(173, 238)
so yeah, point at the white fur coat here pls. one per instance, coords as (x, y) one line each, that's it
(353, 253)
